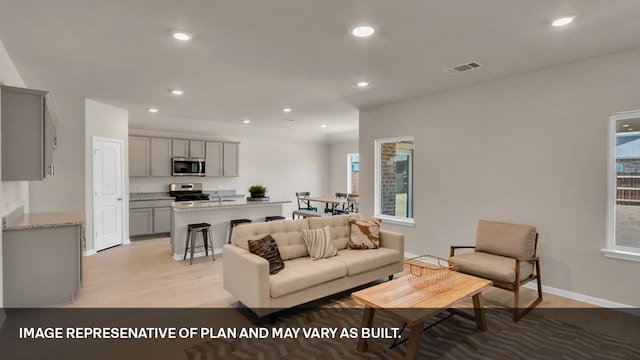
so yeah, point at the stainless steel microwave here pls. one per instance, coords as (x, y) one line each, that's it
(188, 166)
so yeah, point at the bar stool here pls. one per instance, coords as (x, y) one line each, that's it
(235, 223)
(190, 243)
(274, 218)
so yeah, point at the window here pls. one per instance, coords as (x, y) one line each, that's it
(623, 225)
(394, 180)
(353, 173)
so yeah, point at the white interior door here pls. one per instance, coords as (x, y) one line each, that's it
(107, 193)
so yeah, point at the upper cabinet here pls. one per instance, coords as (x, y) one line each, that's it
(160, 157)
(139, 161)
(188, 148)
(149, 156)
(222, 159)
(28, 134)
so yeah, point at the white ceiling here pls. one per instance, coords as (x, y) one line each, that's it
(248, 59)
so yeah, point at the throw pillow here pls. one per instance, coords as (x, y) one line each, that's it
(319, 243)
(268, 249)
(365, 234)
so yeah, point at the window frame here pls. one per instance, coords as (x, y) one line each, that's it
(406, 221)
(612, 250)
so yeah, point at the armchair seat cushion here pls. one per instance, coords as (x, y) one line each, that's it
(493, 267)
(302, 273)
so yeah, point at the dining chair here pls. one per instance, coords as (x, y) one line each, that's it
(303, 201)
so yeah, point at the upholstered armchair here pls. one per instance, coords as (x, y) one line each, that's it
(506, 254)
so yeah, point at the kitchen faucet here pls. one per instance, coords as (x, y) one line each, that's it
(219, 197)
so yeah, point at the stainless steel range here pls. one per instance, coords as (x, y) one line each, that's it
(188, 192)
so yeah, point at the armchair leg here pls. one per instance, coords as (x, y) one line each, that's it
(517, 314)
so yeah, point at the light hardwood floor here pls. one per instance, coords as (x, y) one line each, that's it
(144, 274)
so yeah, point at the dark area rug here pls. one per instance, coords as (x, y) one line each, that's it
(537, 336)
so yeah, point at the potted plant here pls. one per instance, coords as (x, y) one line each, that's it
(257, 191)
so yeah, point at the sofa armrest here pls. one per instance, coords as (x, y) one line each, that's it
(392, 240)
(246, 276)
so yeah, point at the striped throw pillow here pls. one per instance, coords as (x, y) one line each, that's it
(319, 243)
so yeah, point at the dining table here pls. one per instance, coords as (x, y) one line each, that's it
(331, 203)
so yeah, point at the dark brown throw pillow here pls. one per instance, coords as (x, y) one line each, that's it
(268, 249)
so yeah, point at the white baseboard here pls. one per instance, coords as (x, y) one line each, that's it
(179, 257)
(584, 298)
(574, 296)
(89, 252)
(126, 241)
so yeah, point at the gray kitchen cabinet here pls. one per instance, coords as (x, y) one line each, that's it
(222, 159)
(188, 148)
(160, 157)
(139, 160)
(162, 220)
(196, 148)
(231, 159)
(42, 267)
(148, 217)
(214, 160)
(28, 134)
(140, 222)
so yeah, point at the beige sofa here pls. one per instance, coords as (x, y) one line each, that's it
(246, 276)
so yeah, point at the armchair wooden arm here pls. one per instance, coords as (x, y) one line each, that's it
(454, 248)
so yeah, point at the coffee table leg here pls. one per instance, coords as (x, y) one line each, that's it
(367, 321)
(413, 346)
(478, 309)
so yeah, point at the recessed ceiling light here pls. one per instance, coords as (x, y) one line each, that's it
(562, 21)
(363, 84)
(286, 109)
(177, 92)
(246, 121)
(625, 125)
(629, 129)
(363, 31)
(323, 125)
(182, 36)
(153, 110)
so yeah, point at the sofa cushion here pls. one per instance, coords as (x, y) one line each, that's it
(493, 267)
(302, 273)
(287, 235)
(365, 234)
(340, 228)
(359, 261)
(319, 244)
(268, 249)
(506, 239)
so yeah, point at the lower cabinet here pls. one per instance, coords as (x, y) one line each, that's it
(149, 217)
(41, 266)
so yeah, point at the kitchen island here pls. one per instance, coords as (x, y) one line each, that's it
(218, 214)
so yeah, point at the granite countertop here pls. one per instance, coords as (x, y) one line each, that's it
(44, 220)
(214, 204)
(146, 196)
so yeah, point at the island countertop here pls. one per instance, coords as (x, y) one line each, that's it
(225, 203)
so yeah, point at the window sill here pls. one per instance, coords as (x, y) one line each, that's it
(621, 254)
(395, 220)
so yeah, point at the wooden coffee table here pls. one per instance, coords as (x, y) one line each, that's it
(413, 306)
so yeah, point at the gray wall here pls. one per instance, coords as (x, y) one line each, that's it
(527, 149)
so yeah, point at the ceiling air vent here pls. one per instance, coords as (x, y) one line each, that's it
(462, 68)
